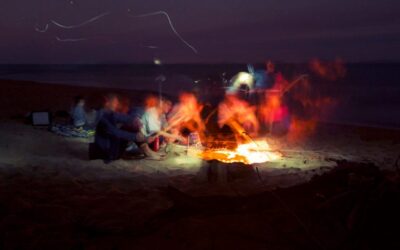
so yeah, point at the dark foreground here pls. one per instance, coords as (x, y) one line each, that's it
(354, 206)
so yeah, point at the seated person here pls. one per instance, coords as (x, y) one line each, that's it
(154, 121)
(111, 141)
(151, 117)
(78, 113)
(166, 107)
(186, 116)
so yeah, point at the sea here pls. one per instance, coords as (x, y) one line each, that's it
(368, 94)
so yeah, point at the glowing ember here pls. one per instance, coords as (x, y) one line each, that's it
(249, 153)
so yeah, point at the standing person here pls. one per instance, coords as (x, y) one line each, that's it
(111, 140)
(274, 111)
(264, 79)
(270, 75)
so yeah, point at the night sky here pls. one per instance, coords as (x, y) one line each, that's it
(221, 31)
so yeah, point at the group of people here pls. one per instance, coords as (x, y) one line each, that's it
(143, 130)
(148, 128)
(256, 99)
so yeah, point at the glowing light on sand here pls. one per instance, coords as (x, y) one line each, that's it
(249, 153)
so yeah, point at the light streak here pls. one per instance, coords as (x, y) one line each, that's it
(171, 26)
(70, 39)
(46, 27)
(80, 24)
(151, 47)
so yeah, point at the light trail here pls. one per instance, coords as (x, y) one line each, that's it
(70, 39)
(46, 27)
(151, 47)
(163, 13)
(91, 20)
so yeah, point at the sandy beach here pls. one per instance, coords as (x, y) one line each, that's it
(195, 125)
(53, 197)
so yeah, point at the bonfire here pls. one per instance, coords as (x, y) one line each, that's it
(246, 111)
(257, 151)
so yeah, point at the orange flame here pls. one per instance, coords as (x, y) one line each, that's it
(328, 70)
(296, 105)
(186, 114)
(234, 110)
(254, 152)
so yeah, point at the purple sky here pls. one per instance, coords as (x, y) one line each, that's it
(221, 31)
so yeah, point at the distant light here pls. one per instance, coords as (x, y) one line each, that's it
(242, 78)
(157, 61)
(245, 78)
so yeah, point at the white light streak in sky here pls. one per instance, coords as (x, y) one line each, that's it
(70, 39)
(171, 26)
(151, 47)
(38, 29)
(93, 19)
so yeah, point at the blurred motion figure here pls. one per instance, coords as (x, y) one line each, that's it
(111, 140)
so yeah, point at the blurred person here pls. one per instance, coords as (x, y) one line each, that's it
(78, 113)
(166, 108)
(264, 79)
(111, 140)
(274, 112)
(270, 75)
(151, 118)
(239, 115)
(185, 117)
(154, 121)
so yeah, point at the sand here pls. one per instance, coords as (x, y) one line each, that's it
(53, 197)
